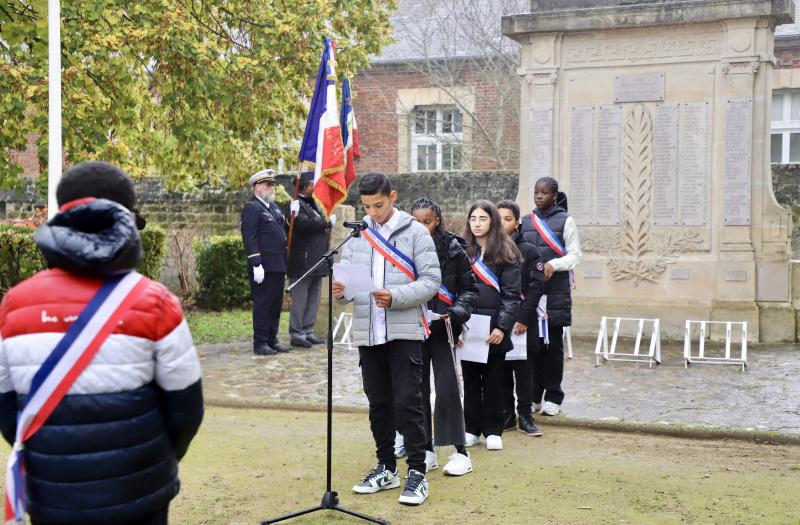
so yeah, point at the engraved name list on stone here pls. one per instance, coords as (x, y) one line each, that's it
(643, 87)
(607, 183)
(581, 168)
(694, 164)
(738, 145)
(665, 165)
(541, 143)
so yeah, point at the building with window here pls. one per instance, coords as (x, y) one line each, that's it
(785, 139)
(445, 95)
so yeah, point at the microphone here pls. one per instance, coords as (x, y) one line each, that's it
(357, 225)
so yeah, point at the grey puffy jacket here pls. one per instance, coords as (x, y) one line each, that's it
(403, 320)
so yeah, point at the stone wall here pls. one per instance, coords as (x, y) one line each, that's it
(786, 184)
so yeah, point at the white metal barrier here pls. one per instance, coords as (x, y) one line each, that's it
(609, 352)
(568, 338)
(701, 357)
(344, 321)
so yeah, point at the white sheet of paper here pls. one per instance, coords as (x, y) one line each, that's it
(475, 333)
(356, 279)
(520, 351)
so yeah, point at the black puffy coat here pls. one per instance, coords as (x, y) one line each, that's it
(558, 289)
(503, 306)
(459, 279)
(531, 279)
(309, 239)
(109, 451)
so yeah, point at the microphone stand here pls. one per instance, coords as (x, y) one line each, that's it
(330, 500)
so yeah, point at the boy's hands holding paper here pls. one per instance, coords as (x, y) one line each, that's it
(352, 279)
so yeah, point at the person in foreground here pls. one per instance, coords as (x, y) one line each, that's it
(389, 326)
(109, 451)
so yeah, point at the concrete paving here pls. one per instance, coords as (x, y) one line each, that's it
(765, 398)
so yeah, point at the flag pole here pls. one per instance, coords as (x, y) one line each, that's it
(292, 215)
(54, 154)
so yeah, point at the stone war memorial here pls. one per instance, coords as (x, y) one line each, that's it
(654, 116)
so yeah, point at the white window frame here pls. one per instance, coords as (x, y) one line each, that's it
(439, 138)
(785, 127)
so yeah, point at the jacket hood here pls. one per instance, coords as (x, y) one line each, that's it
(455, 244)
(96, 239)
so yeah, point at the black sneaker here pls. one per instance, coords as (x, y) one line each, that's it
(264, 349)
(416, 491)
(527, 426)
(510, 422)
(302, 343)
(314, 340)
(379, 478)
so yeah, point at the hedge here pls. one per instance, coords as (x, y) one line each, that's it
(221, 272)
(20, 259)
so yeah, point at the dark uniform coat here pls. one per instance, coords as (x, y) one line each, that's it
(264, 233)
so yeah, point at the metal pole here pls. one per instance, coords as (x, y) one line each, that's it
(54, 156)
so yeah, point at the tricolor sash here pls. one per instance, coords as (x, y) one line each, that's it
(400, 261)
(445, 296)
(552, 241)
(485, 274)
(61, 369)
(541, 311)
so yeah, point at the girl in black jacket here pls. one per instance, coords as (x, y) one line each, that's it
(496, 262)
(455, 300)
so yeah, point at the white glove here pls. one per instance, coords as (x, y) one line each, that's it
(258, 274)
(333, 219)
(294, 207)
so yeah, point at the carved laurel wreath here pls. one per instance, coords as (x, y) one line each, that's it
(641, 259)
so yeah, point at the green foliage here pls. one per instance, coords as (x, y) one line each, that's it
(154, 245)
(201, 92)
(221, 272)
(19, 256)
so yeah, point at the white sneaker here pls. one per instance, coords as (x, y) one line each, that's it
(537, 407)
(471, 440)
(431, 461)
(416, 491)
(399, 445)
(550, 409)
(494, 443)
(378, 479)
(458, 465)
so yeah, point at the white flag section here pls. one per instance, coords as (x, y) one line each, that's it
(475, 333)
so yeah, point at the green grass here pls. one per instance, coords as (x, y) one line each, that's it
(247, 465)
(228, 326)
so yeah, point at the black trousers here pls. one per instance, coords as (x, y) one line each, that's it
(483, 395)
(392, 375)
(518, 375)
(548, 367)
(159, 518)
(448, 415)
(267, 302)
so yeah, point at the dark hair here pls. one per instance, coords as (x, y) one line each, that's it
(500, 249)
(374, 184)
(550, 182)
(96, 179)
(439, 234)
(509, 205)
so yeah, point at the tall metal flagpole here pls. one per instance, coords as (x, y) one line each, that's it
(54, 156)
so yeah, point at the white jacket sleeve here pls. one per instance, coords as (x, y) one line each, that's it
(573, 246)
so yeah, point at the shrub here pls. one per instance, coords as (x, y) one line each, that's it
(154, 244)
(19, 257)
(221, 272)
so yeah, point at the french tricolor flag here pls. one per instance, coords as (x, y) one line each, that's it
(349, 134)
(322, 142)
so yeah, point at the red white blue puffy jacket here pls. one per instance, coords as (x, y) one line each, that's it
(109, 452)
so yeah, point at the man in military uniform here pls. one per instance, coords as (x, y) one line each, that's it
(264, 231)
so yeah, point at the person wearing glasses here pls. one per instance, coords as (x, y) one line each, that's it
(264, 233)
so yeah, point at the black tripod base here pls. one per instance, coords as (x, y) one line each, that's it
(330, 501)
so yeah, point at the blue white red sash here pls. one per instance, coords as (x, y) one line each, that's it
(552, 241)
(61, 369)
(445, 296)
(400, 261)
(485, 274)
(541, 311)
